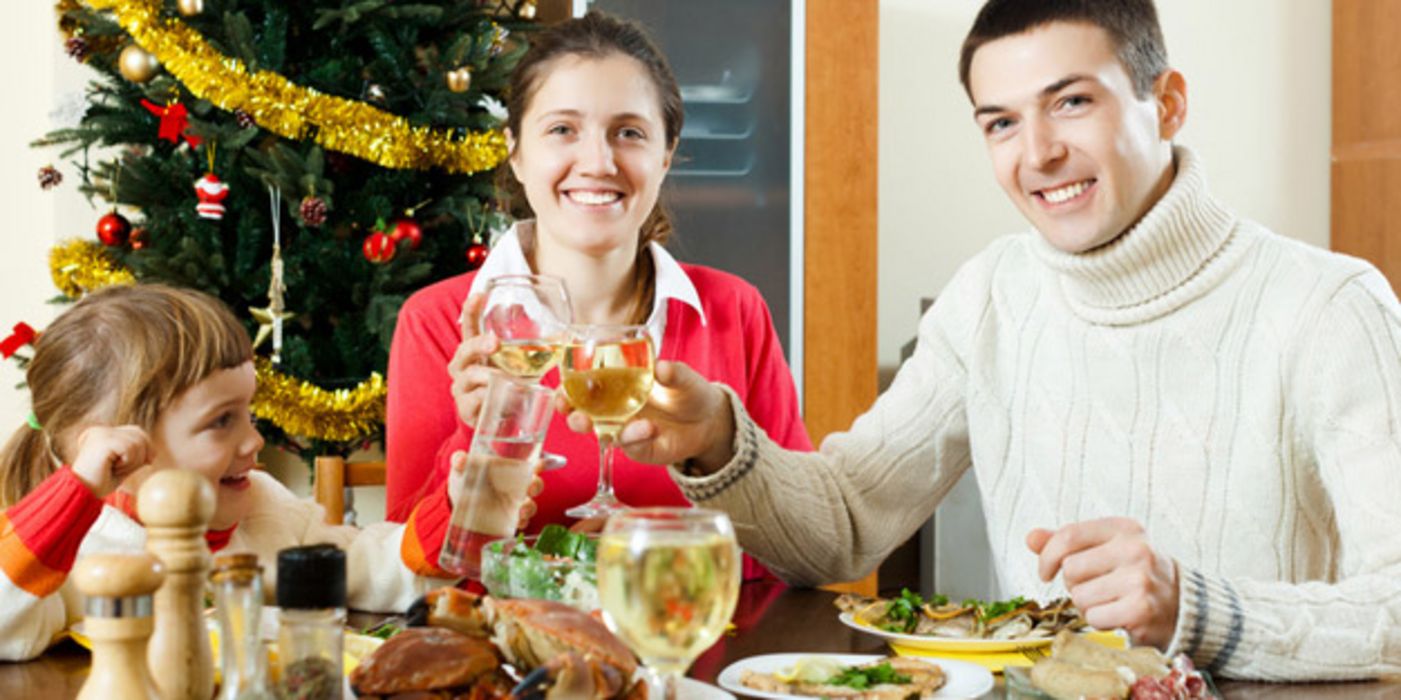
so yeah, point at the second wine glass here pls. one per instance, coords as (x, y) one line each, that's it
(606, 372)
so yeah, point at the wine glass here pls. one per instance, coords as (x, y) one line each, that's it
(668, 582)
(606, 372)
(530, 315)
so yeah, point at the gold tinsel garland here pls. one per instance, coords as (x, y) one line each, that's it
(296, 112)
(78, 267)
(298, 407)
(304, 409)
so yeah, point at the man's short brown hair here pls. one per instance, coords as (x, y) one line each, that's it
(1131, 24)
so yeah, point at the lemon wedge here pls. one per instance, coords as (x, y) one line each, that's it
(809, 669)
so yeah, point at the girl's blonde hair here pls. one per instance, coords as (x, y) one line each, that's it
(120, 356)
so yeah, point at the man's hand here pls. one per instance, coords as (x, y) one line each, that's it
(685, 417)
(468, 366)
(1114, 576)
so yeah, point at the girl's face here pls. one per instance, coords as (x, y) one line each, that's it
(591, 153)
(209, 429)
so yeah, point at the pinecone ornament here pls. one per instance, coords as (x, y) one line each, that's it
(313, 211)
(49, 177)
(76, 47)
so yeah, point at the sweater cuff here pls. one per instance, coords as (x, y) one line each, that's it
(424, 533)
(1210, 620)
(40, 535)
(746, 449)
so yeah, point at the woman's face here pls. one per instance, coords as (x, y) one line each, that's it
(591, 153)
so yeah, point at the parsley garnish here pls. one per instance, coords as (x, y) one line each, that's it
(903, 612)
(862, 678)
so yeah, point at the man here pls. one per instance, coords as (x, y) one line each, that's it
(1189, 423)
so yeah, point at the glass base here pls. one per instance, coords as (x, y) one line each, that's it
(601, 506)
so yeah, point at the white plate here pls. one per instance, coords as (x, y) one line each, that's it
(963, 680)
(692, 689)
(925, 642)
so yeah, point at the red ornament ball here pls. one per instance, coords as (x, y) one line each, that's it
(407, 229)
(476, 255)
(113, 229)
(378, 248)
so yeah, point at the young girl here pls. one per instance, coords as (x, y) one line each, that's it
(129, 381)
(595, 116)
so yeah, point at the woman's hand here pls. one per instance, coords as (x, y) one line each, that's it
(686, 417)
(468, 366)
(107, 455)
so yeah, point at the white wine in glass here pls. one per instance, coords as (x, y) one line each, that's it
(530, 315)
(606, 373)
(668, 582)
(526, 359)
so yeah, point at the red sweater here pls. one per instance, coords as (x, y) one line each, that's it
(737, 346)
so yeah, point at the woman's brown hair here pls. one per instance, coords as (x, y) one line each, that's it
(598, 35)
(120, 356)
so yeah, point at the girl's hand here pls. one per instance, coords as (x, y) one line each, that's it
(468, 367)
(461, 478)
(107, 455)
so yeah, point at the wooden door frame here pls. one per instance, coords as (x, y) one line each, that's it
(839, 214)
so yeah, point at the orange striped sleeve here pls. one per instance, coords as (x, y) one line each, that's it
(424, 533)
(40, 535)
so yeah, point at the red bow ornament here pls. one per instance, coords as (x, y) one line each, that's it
(22, 336)
(175, 122)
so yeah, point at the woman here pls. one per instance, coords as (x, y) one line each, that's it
(595, 116)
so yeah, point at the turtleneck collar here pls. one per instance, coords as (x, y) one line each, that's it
(1180, 249)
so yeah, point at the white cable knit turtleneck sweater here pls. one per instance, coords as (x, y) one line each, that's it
(1236, 392)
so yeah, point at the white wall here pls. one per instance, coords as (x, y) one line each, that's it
(1258, 79)
(37, 73)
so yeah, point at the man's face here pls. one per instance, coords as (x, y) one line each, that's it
(1077, 152)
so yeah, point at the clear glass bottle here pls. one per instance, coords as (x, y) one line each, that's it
(311, 593)
(238, 602)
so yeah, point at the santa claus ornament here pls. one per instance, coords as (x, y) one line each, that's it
(211, 193)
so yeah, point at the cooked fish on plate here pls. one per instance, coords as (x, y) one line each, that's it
(853, 677)
(1015, 619)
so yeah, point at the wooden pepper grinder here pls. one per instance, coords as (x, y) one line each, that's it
(176, 505)
(117, 618)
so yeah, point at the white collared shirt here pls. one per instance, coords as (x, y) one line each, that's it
(507, 258)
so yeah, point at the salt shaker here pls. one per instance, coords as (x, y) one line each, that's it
(238, 601)
(311, 594)
(118, 619)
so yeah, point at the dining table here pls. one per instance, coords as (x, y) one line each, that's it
(770, 618)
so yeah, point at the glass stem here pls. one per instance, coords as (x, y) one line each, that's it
(606, 440)
(667, 682)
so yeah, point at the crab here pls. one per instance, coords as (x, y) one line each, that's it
(564, 653)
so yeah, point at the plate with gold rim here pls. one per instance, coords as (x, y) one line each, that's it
(965, 645)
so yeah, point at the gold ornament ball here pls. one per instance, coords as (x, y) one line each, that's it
(459, 80)
(190, 8)
(137, 65)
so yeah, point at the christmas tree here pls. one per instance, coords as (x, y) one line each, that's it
(311, 163)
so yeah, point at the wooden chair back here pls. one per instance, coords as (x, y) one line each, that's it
(334, 478)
